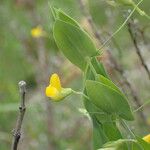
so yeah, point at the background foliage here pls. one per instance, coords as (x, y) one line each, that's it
(61, 126)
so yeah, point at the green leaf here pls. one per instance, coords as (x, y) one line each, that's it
(98, 117)
(145, 145)
(125, 2)
(121, 144)
(99, 114)
(108, 99)
(109, 83)
(116, 145)
(98, 66)
(102, 120)
(111, 131)
(93, 110)
(54, 12)
(107, 120)
(99, 137)
(75, 44)
(59, 14)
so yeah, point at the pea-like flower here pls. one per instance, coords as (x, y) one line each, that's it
(147, 138)
(55, 91)
(38, 32)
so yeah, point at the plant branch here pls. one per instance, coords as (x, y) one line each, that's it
(134, 40)
(22, 109)
(116, 66)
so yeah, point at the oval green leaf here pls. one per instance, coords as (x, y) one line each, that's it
(108, 99)
(59, 14)
(75, 44)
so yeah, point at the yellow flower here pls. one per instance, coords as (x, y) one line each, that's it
(37, 32)
(147, 138)
(55, 91)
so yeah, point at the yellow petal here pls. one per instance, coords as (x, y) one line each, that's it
(55, 81)
(37, 32)
(147, 138)
(51, 91)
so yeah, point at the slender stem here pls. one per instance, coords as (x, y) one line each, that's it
(138, 109)
(91, 67)
(122, 25)
(22, 109)
(141, 12)
(80, 93)
(127, 128)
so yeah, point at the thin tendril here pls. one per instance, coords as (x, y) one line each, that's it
(142, 106)
(80, 93)
(104, 44)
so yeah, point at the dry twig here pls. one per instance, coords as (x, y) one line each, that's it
(133, 35)
(22, 109)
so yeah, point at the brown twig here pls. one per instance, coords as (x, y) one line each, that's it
(134, 40)
(115, 64)
(22, 109)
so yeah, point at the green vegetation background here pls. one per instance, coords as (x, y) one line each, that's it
(58, 126)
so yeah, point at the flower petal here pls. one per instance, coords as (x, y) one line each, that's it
(37, 32)
(147, 138)
(55, 81)
(51, 91)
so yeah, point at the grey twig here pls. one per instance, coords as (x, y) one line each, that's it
(116, 66)
(134, 40)
(22, 109)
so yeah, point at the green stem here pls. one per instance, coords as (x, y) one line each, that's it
(123, 24)
(91, 67)
(85, 72)
(141, 12)
(126, 127)
(142, 106)
(80, 93)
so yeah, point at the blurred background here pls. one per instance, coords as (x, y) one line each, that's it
(23, 56)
